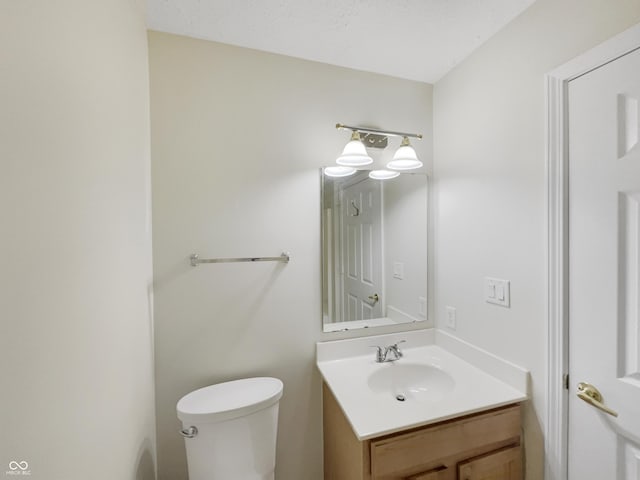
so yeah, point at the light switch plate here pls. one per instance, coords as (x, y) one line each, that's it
(497, 291)
(398, 270)
(422, 307)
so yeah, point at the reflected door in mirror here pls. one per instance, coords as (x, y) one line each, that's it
(374, 250)
(361, 205)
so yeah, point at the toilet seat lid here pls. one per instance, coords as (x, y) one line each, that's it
(228, 400)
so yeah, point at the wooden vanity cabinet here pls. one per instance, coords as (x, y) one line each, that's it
(482, 446)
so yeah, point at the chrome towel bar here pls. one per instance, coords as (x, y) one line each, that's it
(196, 260)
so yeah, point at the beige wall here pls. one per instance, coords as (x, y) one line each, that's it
(237, 139)
(76, 361)
(490, 174)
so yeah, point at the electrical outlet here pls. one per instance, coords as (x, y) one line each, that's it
(450, 321)
(398, 270)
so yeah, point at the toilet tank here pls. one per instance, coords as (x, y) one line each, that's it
(230, 429)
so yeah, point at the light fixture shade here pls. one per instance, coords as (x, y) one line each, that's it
(383, 174)
(354, 153)
(405, 157)
(339, 171)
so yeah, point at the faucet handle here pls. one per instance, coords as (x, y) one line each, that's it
(395, 349)
(380, 354)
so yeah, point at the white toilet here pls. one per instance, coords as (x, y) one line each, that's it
(230, 429)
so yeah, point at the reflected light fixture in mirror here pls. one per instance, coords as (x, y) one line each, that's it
(383, 174)
(339, 171)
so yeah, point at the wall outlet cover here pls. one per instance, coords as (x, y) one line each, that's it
(422, 307)
(450, 321)
(398, 270)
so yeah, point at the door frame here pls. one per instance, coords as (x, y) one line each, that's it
(557, 150)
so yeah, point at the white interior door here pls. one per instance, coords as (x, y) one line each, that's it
(604, 271)
(362, 250)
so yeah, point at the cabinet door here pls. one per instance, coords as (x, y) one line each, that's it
(439, 473)
(505, 464)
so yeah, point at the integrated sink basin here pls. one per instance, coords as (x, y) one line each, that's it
(411, 381)
(427, 384)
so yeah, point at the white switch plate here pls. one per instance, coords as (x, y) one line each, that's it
(497, 291)
(450, 321)
(422, 307)
(398, 270)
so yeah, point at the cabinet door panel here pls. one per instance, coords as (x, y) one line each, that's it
(503, 464)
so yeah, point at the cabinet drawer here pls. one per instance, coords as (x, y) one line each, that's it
(406, 453)
(439, 473)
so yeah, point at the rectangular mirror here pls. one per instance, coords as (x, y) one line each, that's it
(374, 249)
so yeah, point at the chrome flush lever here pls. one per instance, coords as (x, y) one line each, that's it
(189, 432)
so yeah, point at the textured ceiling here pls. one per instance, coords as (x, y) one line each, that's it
(413, 39)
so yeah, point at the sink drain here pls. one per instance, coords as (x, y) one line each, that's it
(400, 398)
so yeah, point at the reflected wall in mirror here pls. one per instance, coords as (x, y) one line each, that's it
(374, 249)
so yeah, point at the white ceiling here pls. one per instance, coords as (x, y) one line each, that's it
(413, 39)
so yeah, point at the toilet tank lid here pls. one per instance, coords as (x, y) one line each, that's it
(228, 400)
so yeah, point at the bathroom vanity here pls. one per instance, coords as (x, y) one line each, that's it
(481, 446)
(443, 411)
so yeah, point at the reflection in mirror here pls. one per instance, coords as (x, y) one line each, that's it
(374, 249)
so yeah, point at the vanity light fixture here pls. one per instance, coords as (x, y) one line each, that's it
(355, 152)
(405, 157)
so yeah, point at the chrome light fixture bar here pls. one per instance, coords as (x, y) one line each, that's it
(375, 131)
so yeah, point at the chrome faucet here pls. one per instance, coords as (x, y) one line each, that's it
(383, 353)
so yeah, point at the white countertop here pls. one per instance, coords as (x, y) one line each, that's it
(374, 413)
